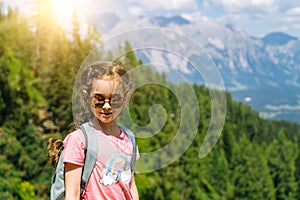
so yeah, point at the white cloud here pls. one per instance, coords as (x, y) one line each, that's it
(246, 6)
(169, 4)
(257, 17)
(133, 7)
(294, 11)
(135, 10)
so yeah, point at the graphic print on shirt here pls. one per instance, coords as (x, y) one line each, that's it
(117, 169)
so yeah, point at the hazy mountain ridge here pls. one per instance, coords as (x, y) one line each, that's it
(277, 38)
(246, 63)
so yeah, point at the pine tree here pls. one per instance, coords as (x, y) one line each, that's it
(219, 174)
(5, 88)
(297, 173)
(281, 158)
(250, 174)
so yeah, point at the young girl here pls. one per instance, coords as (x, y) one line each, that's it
(106, 91)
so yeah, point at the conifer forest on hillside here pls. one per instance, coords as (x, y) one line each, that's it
(253, 159)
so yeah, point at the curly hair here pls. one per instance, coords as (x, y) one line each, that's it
(97, 70)
(84, 84)
(55, 147)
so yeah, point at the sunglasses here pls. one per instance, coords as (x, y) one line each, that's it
(98, 100)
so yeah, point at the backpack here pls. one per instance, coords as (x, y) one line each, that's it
(91, 151)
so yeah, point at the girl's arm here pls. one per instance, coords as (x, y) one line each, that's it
(133, 189)
(72, 181)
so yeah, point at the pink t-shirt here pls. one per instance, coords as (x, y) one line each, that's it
(111, 176)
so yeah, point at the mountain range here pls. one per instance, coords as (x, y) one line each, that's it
(263, 72)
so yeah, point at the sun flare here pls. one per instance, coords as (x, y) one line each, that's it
(63, 10)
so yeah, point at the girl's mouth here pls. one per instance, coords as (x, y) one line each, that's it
(106, 113)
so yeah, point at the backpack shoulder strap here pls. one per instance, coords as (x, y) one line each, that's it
(91, 152)
(131, 136)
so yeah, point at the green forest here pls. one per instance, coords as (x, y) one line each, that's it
(253, 159)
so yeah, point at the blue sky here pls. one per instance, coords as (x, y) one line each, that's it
(256, 17)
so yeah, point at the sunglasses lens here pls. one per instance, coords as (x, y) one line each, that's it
(115, 101)
(97, 101)
(98, 105)
(99, 97)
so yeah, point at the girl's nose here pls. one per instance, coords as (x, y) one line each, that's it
(106, 104)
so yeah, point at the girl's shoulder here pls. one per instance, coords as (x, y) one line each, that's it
(76, 135)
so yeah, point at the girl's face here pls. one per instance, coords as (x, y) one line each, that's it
(106, 99)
